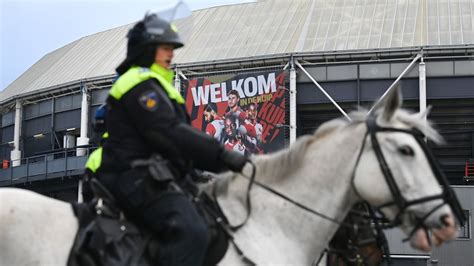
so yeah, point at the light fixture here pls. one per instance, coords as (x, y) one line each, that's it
(40, 135)
(71, 129)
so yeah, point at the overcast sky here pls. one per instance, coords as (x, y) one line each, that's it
(30, 29)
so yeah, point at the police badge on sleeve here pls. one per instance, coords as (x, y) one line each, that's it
(149, 100)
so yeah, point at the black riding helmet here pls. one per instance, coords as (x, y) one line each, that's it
(143, 39)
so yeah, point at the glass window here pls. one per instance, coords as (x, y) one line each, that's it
(35, 145)
(68, 102)
(37, 125)
(464, 68)
(439, 69)
(374, 71)
(343, 72)
(99, 96)
(63, 103)
(397, 68)
(45, 107)
(8, 119)
(37, 109)
(70, 119)
(31, 110)
(5, 152)
(318, 73)
(76, 100)
(7, 134)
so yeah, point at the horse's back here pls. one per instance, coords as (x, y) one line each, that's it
(34, 229)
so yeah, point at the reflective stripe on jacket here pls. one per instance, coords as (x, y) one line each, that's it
(95, 158)
(94, 161)
(124, 84)
(136, 75)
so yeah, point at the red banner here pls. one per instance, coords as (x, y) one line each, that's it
(245, 112)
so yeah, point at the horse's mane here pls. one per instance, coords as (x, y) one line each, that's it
(284, 161)
(410, 120)
(278, 164)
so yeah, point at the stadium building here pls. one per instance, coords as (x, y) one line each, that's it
(337, 56)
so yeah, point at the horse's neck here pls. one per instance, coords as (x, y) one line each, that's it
(322, 175)
(321, 181)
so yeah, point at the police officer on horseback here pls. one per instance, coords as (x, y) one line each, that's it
(152, 150)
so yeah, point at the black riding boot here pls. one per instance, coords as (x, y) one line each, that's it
(182, 232)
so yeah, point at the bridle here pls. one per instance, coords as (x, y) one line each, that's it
(447, 196)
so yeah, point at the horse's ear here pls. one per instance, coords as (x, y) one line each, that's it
(392, 102)
(424, 114)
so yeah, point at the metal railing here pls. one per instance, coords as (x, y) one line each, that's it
(51, 165)
(469, 171)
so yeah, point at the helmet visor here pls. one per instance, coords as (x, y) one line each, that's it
(178, 14)
(171, 12)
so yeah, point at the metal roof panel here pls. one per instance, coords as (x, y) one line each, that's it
(267, 27)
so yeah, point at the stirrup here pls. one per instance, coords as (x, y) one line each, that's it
(100, 191)
(104, 201)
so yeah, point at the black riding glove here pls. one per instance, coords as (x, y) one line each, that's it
(233, 160)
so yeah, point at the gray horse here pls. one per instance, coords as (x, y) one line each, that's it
(327, 172)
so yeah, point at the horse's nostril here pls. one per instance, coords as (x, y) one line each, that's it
(445, 220)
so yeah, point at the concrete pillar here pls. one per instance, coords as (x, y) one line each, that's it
(15, 155)
(422, 86)
(83, 139)
(292, 103)
(177, 80)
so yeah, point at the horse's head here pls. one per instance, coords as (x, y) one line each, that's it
(406, 185)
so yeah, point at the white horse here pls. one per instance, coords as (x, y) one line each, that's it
(327, 172)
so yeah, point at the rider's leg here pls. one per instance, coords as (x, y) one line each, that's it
(181, 230)
(87, 194)
(171, 215)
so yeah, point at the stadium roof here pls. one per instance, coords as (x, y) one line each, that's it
(267, 27)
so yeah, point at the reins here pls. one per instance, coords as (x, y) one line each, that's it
(252, 181)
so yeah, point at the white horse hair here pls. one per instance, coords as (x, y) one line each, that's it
(316, 172)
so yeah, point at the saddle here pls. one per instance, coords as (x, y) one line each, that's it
(106, 237)
(362, 244)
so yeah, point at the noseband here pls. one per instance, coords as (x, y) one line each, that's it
(447, 195)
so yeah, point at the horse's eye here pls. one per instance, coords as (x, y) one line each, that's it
(406, 150)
